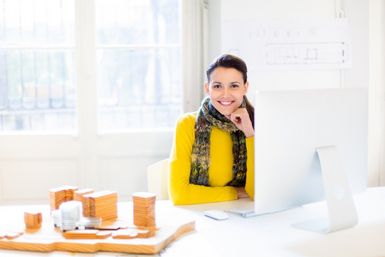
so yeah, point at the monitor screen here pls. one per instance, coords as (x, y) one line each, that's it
(290, 126)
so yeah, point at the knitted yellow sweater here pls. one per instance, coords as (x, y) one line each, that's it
(220, 171)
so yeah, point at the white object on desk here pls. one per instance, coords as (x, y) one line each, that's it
(272, 235)
(342, 212)
(216, 214)
(289, 127)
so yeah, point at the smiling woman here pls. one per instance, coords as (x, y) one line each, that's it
(212, 155)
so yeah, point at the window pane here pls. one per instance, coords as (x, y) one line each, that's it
(139, 88)
(138, 21)
(37, 85)
(36, 21)
(139, 73)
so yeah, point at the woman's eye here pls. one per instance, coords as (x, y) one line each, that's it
(234, 85)
(216, 86)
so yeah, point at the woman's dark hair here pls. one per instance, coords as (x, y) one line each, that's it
(228, 61)
(232, 61)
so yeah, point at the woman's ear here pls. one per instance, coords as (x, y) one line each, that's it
(246, 87)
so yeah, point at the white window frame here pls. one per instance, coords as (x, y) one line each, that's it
(115, 161)
(376, 154)
(194, 59)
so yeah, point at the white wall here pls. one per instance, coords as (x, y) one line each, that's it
(280, 11)
(367, 62)
(32, 164)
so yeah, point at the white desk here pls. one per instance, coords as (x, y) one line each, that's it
(273, 235)
(266, 235)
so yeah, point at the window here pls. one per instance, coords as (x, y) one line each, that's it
(37, 89)
(139, 63)
(138, 71)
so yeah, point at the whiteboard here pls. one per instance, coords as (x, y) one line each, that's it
(289, 45)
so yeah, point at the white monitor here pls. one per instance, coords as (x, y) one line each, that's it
(289, 128)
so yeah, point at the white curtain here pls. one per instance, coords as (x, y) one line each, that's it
(194, 45)
(376, 173)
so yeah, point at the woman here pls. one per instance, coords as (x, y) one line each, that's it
(212, 158)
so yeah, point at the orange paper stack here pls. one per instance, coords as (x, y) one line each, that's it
(61, 194)
(144, 209)
(102, 204)
(79, 196)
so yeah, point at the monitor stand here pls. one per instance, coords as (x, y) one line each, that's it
(341, 209)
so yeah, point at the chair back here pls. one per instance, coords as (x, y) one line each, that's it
(157, 179)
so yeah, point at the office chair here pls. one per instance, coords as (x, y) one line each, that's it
(157, 179)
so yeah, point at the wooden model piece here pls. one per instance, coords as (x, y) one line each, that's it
(13, 235)
(86, 234)
(59, 195)
(32, 220)
(10, 235)
(53, 241)
(79, 196)
(102, 204)
(144, 210)
(133, 233)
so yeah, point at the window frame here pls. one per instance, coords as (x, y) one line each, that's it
(85, 61)
(193, 47)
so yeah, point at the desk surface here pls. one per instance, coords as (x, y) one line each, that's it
(266, 235)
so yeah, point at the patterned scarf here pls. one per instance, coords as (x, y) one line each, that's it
(208, 117)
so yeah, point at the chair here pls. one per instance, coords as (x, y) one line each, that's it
(157, 179)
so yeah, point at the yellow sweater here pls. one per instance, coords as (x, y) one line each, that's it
(220, 170)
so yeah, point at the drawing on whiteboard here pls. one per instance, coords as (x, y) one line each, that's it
(289, 45)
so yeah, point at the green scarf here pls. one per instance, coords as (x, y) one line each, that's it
(208, 117)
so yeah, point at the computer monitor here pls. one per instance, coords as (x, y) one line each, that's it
(297, 132)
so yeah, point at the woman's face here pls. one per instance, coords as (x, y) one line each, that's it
(226, 89)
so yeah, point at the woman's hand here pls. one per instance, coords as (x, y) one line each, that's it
(241, 193)
(241, 119)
